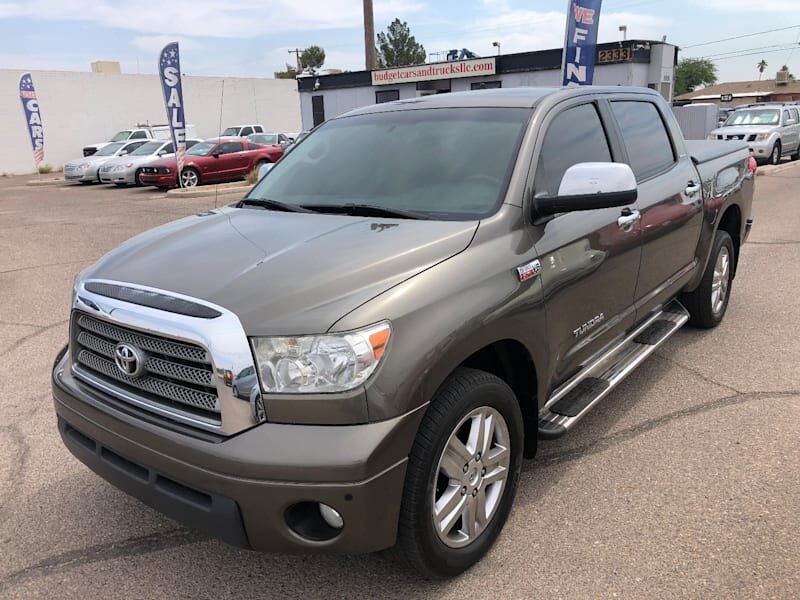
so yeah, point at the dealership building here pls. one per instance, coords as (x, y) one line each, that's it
(641, 63)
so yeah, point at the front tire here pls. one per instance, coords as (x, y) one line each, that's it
(775, 157)
(462, 474)
(190, 177)
(708, 303)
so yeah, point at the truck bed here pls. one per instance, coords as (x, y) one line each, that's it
(711, 157)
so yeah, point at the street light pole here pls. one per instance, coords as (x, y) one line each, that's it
(624, 30)
(497, 45)
(370, 60)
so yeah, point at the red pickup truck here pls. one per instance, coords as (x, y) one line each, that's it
(211, 161)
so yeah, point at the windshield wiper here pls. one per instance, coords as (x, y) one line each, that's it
(273, 205)
(366, 210)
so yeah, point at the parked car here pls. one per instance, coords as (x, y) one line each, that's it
(125, 170)
(271, 139)
(424, 290)
(211, 161)
(86, 169)
(771, 130)
(140, 132)
(242, 130)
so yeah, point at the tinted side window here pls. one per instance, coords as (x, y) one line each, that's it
(646, 139)
(258, 129)
(169, 149)
(138, 135)
(574, 136)
(787, 118)
(793, 111)
(228, 147)
(246, 131)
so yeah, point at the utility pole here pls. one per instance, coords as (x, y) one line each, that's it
(297, 52)
(370, 59)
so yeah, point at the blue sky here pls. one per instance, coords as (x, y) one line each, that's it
(251, 37)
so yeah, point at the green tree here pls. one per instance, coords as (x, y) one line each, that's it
(398, 48)
(289, 73)
(691, 73)
(313, 57)
(761, 66)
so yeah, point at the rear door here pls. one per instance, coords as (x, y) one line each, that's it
(670, 198)
(791, 131)
(589, 259)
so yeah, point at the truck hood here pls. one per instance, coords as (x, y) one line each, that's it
(283, 273)
(745, 130)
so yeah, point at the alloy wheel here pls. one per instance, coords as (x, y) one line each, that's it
(720, 280)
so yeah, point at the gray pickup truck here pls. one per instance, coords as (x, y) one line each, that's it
(359, 354)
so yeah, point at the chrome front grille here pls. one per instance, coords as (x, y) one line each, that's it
(178, 377)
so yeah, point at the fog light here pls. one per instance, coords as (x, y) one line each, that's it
(331, 516)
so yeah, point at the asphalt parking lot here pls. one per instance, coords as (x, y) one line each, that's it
(684, 483)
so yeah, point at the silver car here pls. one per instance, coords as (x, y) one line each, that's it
(771, 130)
(125, 170)
(86, 169)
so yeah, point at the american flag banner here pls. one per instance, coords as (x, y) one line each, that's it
(30, 104)
(169, 70)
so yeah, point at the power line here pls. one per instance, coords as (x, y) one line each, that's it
(783, 46)
(751, 54)
(738, 37)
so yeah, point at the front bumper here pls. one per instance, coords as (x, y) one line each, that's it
(124, 176)
(762, 149)
(89, 174)
(158, 180)
(241, 488)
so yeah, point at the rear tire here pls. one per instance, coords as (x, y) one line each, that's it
(708, 303)
(450, 514)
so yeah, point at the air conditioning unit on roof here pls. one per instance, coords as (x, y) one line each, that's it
(782, 77)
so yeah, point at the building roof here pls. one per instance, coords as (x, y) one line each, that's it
(743, 89)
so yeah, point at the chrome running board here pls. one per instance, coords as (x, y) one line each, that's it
(570, 403)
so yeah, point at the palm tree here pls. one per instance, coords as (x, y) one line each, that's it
(761, 66)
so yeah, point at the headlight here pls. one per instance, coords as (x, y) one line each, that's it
(83, 166)
(128, 166)
(712, 136)
(320, 363)
(763, 137)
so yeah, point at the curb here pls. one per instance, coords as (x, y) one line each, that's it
(44, 182)
(768, 170)
(210, 190)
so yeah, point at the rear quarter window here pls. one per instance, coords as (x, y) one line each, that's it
(645, 136)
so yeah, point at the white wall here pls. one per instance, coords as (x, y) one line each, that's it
(80, 108)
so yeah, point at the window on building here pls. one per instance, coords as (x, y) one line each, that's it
(382, 96)
(485, 85)
(318, 109)
(646, 139)
(574, 136)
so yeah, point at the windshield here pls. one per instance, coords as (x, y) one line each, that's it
(201, 149)
(147, 149)
(754, 117)
(264, 138)
(234, 131)
(445, 163)
(121, 136)
(109, 150)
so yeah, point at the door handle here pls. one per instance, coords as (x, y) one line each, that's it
(692, 188)
(628, 218)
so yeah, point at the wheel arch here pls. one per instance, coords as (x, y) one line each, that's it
(731, 222)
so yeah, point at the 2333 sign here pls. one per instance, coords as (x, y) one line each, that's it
(615, 55)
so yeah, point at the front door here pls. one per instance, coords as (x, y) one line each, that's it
(670, 201)
(232, 161)
(589, 259)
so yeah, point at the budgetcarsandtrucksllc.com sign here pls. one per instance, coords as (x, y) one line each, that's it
(447, 70)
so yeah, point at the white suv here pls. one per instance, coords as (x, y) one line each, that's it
(771, 130)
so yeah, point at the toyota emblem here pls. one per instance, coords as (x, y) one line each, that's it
(129, 359)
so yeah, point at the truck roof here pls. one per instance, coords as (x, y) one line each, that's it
(522, 97)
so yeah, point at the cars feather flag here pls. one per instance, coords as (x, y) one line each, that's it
(30, 104)
(169, 70)
(580, 42)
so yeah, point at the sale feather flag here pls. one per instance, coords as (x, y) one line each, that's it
(169, 70)
(33, 118)
(580, 42)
